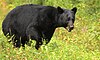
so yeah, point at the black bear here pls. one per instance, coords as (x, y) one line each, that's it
(36, 22)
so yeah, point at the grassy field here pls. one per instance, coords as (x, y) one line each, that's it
(83, 43)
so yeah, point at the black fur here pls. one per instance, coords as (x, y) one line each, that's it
(36, 22)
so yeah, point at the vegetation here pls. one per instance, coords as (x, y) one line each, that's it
(83, 43)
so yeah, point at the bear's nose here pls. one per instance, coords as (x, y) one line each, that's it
(72, 27)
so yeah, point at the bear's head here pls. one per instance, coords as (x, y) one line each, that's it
(66, 18)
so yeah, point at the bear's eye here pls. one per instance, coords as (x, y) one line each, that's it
(68, 19)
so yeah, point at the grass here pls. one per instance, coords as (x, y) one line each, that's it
(83, 43)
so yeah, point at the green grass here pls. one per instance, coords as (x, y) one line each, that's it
(83, 43)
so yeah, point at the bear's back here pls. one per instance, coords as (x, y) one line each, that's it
(20, 17)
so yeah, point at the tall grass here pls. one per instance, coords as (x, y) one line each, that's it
(83, 43)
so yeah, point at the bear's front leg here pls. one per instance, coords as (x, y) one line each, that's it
(34, 34)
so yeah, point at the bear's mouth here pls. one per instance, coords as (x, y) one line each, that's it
(69, 29)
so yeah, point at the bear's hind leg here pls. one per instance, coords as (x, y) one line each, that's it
(16, 42)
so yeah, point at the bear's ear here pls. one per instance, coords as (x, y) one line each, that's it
(74, 10)
(60, 10)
